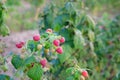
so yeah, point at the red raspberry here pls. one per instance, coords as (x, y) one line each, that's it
(49, 31)
(59, 50)
(56, 42)
(18, 45)
(36, 37)
(62, 40)
(22, 42)
(43, 62)
(85, 74)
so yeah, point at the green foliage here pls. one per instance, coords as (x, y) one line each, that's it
(90, 44)
(36, 72)
(17, 61)
(4, 30)
(5, 77)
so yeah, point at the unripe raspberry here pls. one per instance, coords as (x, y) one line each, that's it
(43, 62)
(62, 40)
(23, 50)
(36, 37)
(56, 42)
(82, 77)
(85, 74)
(18, 45)
(49, 31)
(39, 46)
(59, 50)
(46, 50)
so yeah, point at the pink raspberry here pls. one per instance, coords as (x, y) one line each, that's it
(56, 42)
(85, 73)
(49, 31)
(36, 37)
(62, 40)
(22, 42)
(59, 50)
(19, 45)
(43, 62)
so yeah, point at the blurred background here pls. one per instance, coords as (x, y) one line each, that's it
(23, 14)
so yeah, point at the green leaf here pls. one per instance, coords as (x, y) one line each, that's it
(66, 54)
(70, 70)
(66, 33)
(70, 78)
(17, 61)
(79, 41)
(32, 45)
(5, 77)
(29, 60)
(4, 30)
(36, 72)
(60, 21)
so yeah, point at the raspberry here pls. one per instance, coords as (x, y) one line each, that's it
(39, 46)
(22, 42)
(85, 74)
(19, 45)
(49, 31)
(43, 62)
(62, 40)
(59, 50)
(36, 37)
(56, 42)
(46, 50)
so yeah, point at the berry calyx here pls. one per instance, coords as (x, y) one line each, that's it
(59, 50)
(56, 42)
(62, 40)
(19, 45)
(39, 46)
(36, 37)
(85, 74)
(49, 31)
(43, 62)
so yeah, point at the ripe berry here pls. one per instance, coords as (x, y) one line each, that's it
(85, 74)
(18, 45)
(43, 62)
(56, 42)
(49, 31)
(22, 42)
(59, 50)
(62, 40)
(39, 47)
(36, 37)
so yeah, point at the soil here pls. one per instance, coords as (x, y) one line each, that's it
(9, 42)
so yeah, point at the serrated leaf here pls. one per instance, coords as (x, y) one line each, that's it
(4, 30)
(36, 72)
(60, 21)
(32, 45)
(70, 78)
(70, 70)
(5, 77)
(29, 60)
(79, 41)
(66, 54)
(17, 61)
